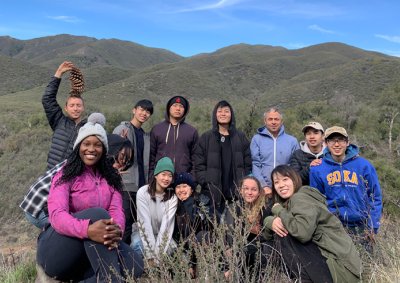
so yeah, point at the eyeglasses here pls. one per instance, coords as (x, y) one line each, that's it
(339, 141)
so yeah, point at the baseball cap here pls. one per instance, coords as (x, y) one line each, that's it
(314, 125)
(336, 130)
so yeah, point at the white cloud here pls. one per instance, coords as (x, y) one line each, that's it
(67, 19)
(390, 38)
(211, 6)
(315, 27)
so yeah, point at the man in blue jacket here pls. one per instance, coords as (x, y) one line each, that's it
(350, 184)
(271, 147)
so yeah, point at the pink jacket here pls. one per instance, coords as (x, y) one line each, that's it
(85, 191)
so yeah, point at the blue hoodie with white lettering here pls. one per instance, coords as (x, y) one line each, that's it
(351, 188)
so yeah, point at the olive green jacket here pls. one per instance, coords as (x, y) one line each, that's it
(308, 218)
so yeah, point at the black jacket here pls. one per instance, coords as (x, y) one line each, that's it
(301, 159)
(65, 129)
(192, 218)
(208, 159)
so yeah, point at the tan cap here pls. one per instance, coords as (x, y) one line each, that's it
(314, 125)
(336, 130)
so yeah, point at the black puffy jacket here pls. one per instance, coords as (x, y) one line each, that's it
(65, 129)
(301, 159)
(208, 159)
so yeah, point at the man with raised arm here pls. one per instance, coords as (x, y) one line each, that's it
(138, 172)
(174, 138)
(65, 127)
(271, 147)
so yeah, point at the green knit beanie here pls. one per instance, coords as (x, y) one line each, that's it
(164, 164)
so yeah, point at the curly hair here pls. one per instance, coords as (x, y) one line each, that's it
(75, 167)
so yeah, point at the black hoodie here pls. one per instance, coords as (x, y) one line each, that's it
(176, 142)
(208, 159)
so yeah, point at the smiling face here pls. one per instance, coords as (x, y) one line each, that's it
(121, 160)
(274, 122)
(141, 115)
(337, 145)
(313, 137)
(283, 185)
(91, 150)
(250, 191)
(183, 191)
(164, 179)
(74, 108)
(224, 115)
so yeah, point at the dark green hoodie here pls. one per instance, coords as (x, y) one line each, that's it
(308, 218)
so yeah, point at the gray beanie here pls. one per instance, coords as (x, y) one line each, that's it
(93, 127)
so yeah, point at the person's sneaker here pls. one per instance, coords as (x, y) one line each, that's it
(42, 277)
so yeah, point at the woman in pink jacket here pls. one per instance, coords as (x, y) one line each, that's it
(86, 219)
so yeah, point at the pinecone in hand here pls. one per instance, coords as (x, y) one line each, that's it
(77, 82)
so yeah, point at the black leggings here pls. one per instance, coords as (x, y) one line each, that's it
(68, 258)
(304, 261)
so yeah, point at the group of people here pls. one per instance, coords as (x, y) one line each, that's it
(133, 193)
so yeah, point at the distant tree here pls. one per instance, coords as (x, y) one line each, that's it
(389, 101)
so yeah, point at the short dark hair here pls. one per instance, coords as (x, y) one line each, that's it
(285, 171)
(222, 103)
(145, 104)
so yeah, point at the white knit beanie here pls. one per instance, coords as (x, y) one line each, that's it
(93, 127)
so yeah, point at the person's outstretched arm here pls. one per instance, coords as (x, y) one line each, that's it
(49, 100)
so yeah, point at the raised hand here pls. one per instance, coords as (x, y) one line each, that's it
(64, 67)
(124, 133)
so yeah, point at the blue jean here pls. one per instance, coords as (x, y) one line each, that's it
(137, 245)
(40, 221)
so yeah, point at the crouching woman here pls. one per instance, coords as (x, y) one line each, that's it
(313, 242)
(192, 216)
(156, 207)
(86, 219)
(254, 208)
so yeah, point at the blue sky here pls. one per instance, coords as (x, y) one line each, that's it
(189, 27)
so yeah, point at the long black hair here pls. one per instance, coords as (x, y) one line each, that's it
(116, 144)
(75, 167)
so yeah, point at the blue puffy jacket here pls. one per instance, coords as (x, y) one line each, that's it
(351, 188)
(268, 152)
